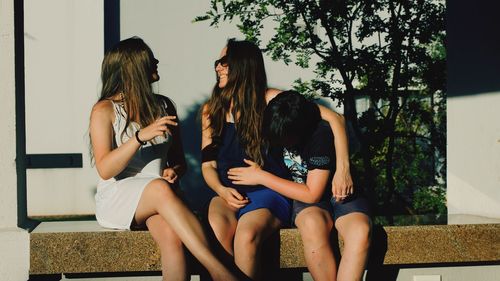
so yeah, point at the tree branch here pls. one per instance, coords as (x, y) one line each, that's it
(311, 35)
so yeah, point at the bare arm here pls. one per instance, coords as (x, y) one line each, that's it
(309, 192)
(110, 162)
(271, 93)
(342, 182)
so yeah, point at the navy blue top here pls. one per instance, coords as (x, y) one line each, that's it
(231, 155)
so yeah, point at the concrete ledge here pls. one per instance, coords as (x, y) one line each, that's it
(77, 247)
(413, 245)
(84, 246)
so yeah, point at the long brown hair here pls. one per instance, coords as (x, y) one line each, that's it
(127, 69)
(245, 89)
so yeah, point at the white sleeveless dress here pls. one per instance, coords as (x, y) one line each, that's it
(117, 198)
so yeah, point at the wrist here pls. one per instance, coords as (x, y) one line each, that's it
(220, 190)
(342, 165)
(138, 139)
(261, 177)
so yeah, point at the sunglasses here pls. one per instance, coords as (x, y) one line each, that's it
(222, 61)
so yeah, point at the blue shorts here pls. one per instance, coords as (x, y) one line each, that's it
(336, 209)
(269, 199)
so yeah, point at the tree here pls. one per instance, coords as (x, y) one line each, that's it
(388, 53)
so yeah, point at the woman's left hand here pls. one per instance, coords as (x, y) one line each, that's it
(170, 175)
(342, 185)
(245, 175)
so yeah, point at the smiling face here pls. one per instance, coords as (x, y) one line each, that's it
(222, 69)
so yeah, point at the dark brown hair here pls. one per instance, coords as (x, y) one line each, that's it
(245, 89)
(290, 119)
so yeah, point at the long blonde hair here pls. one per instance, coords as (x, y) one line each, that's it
(127, 69)
(245, 89)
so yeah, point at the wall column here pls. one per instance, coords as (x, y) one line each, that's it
(14, 242)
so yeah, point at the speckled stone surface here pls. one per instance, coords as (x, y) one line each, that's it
(415, 245)
(55, 248)
(75, 252)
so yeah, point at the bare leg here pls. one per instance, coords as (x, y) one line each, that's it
(173, 259)
(315, 225)
(159, 198)
(253, 228)
(222, 219)
(354, 228)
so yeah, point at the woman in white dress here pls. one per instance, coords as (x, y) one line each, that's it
(139, 157)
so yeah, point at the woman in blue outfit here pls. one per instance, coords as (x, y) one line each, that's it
(292, 122)
(243, 217)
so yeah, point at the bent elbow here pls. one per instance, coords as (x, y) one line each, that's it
(204, 169)
(103, 174)
(341, 118)
(208, 165)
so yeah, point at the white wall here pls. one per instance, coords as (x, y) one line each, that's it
(64, 41)
(186, 52)
(14, 242)
(474, 155)
(8, 182)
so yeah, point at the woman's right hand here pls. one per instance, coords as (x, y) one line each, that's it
(157, 128)
(233, 198)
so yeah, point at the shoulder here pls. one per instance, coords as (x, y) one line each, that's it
(319, 151)
(102, 109)
(323, 130)
(321, 138)
(204, 108)
(205, 116)
(271, 93)
(103, 114)
(204, 112)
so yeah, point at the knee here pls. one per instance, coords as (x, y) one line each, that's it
(359, 237)
(314, 223)
(314, 238)
(160, 190)
(221, 226)
(247, 237)
(314, 226)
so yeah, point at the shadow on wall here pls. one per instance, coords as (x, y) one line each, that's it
(196, 192)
